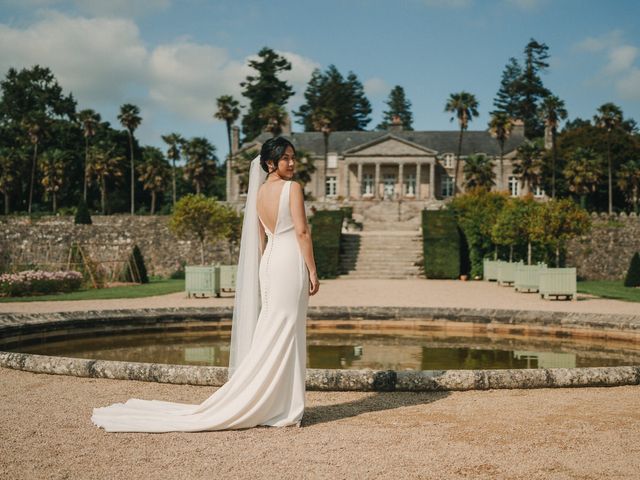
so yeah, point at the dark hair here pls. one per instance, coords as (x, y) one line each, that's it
(273, 149)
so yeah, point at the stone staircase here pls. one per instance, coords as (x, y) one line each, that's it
(389, 245)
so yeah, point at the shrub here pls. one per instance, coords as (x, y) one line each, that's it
(633, 274)
(136, 270)
(327, 230)
(441, 244)
(83, 217)
(33, 282)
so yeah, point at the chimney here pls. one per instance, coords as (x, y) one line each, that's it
(396, 124)
(286, 126)
(518, 127)
(235, 139)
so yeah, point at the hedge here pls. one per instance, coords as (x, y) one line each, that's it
(326, 227)
(441, 244)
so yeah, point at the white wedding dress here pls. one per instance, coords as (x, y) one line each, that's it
(268, 386)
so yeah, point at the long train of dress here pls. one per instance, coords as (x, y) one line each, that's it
(268, 386)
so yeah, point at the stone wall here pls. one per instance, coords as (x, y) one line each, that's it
(108, 240)
(605, 253)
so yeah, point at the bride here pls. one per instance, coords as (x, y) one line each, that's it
(267, 365)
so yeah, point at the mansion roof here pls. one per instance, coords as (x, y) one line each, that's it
(439, 141)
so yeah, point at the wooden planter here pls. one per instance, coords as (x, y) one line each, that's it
(507, 272)
(490, 269)
(528, 277)
(558, 282)
(209, 279)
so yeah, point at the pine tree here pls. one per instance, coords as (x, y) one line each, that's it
(263, 89)
(508, 97)
(633, 275)
(400, 106)
(345, 98)
(532, 89)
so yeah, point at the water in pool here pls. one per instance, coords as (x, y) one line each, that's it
(379, 350)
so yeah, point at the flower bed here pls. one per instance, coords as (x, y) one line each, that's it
(35, 282)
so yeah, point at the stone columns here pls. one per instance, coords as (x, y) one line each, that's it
(432, 180)
(401, 180)
(359, 194)
(376, 182)
(418, 165)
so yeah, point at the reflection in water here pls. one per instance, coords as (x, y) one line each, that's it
(410, 350)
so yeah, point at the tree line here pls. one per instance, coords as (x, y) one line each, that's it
(52, 155)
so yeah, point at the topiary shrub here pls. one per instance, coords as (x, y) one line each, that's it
(135, 270)
(441, 244)
(326, 233)
(633, 274)
(83, 217)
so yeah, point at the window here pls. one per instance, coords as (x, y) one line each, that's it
(330, 187)
(447, 160)
(410, 185)
(367, 184)
(538, 192)
(332, 160)
(447, 186)
(514, 186)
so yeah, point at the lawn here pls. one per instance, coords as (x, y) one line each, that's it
(610, 289)
(156, 286)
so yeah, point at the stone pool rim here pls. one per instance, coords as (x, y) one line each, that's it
(336, 379)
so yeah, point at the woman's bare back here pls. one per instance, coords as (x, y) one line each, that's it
(269, 201)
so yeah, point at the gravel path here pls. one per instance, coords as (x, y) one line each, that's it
(591, 433)
(366, 292)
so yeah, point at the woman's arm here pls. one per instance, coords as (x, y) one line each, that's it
(262, 235)
(303, 234)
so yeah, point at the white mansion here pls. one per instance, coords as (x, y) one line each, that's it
(389, 165)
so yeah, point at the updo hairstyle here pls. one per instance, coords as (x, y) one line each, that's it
(273, 149)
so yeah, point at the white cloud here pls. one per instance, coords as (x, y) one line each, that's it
(97, 59)
(621, 59)
(619, 69)
(375, 87)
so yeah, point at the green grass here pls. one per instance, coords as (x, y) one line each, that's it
(154, 287)
(610, 289)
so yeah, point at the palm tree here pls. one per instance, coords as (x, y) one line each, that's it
(527, 165)
(552, 111)
(35, 132)
(478, 172)
(130, 119)
(8, 168)
(90, 121)
(321, 121)
(103, 165)
(500, 128)
(274, 116)
(201, 162)
(464, 107)
(52, 167)
(153, 173)
(175, 142)
(229, 112)
(629, 182)
(609, 118)
(583, 172)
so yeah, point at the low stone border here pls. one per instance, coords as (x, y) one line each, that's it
(321, 379)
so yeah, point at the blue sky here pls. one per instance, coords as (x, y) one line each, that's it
(173, 58)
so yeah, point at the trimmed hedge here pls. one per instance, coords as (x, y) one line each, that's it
(326, 226)
(441, 244)
(633, 274)
(83, 217)
(139, 272)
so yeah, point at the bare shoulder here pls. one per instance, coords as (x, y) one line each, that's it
(296, 187)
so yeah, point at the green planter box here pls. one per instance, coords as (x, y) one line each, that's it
(490, 269)
(528, 277)
(507, 272)
(558, 282)
(209, 279)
